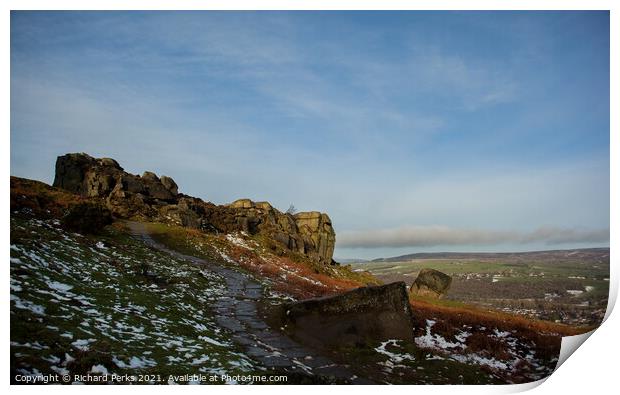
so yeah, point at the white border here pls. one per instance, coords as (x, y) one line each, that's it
(592, 369)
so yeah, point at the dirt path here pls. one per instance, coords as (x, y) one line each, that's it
(238, 313)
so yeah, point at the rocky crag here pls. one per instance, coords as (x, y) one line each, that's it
(152, 198)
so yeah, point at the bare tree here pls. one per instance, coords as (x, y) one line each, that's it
(291, 210)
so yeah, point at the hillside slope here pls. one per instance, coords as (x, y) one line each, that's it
(147, 298)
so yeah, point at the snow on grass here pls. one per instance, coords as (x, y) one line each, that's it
(393, 356)
(238, 241)
(99, 369)
(214, 342)
(82, 344)
(481, 360)
(435, 341)
(59, 286)
(500, 334)
(27, 305)
(517, 351)
(134, 362)
(74, 295)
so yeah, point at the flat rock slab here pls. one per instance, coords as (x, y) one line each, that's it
(361, 317)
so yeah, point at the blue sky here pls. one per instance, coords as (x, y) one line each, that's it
(415, 131)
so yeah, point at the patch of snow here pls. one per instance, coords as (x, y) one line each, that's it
(480, 360)
(436, 341)
(202, 359)
(394, 357)
(134, 363)
(27, 305)
(59, 286)
(212, 341)
(68, 359)
(59, 370)
(82, 344)
(462, 336)
(499, 333)
(238, 241)
(99, 369)
(52, 359)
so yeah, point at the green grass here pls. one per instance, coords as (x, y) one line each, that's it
(209, 246)
(78, 302)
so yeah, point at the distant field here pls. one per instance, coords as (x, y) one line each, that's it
(567, 287)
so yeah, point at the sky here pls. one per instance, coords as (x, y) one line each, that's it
(415, 131)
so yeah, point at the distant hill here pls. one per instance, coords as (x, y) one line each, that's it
(351, 260)
(563, 255)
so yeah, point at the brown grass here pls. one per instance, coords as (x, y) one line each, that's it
(472, 315)
(289, 273)
(545, 336)
(41, 199)
(301, 279)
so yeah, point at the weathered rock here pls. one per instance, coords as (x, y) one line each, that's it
(361, 317)
(150, 176)
(242, 203)
(170, 185)
(157, 198)
(105, 178)
(317, 227)
(109, 162)
(156, 190)
(431, 282)
(70, 172)
(309, 233)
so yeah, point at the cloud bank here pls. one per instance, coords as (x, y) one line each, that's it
(430, 236)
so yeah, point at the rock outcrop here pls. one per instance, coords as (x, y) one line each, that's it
(361, 317)
(154, 198)
(431, 282)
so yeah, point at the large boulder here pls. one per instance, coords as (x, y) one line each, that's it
(125, 194)
(431, 282)
(84, 175)
(361, 317)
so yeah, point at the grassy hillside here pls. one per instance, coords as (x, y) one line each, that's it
(109, 303)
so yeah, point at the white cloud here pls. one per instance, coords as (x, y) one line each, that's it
(431, 236)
